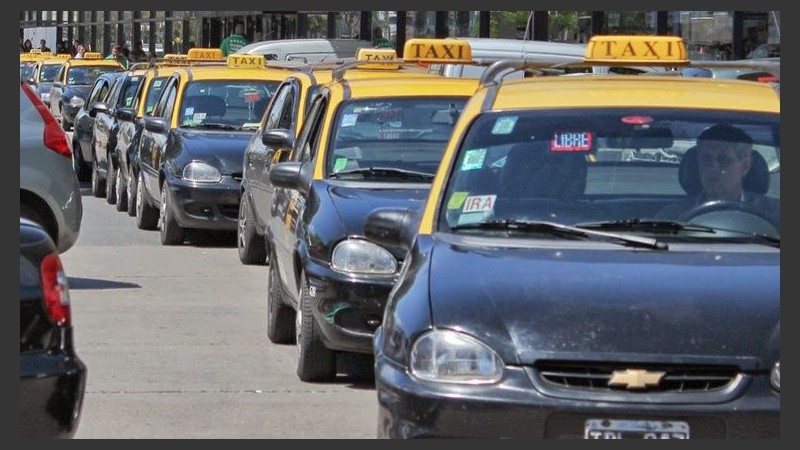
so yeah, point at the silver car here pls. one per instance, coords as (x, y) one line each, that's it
(49, 192)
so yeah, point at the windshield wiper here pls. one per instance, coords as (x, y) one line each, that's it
(557, 228)
(656, 226)
(389, 172)
(213, 126)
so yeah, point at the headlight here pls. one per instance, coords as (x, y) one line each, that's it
(76, 102)
(356, 256)
(452, 357)
(201, 172)
(775, 376)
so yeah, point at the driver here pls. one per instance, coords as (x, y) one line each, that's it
(724, 157)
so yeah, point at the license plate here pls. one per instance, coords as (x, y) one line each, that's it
(635, 429)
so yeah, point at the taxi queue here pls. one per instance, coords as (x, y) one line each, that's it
(498, 254)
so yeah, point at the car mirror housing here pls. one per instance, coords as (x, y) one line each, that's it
(155, 124)
(391, 227)
(98, 107)
(126, 114)
(278, 138)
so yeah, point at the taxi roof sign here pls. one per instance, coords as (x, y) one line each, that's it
(437, 51)
(63, 56)
(92, 55)
(246, 61)
(176, 59)
(637, 50)
(378, 55)
(205, 54)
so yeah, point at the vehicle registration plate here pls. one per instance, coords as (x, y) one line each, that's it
(635, 429)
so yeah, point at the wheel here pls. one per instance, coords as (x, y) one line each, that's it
(111, 183)
(249, 243)
(98, 184)
(171, 232)
(78, 164)
(121, 192)
(280, 316)
(315, 361)
(132, 193)
(732, 216)
(146, 215)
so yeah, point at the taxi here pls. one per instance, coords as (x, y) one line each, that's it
(191, 149)
(366, 142)
(286, 112)
(550, 282)
(27, 62)
(73, 82)
(44, 73)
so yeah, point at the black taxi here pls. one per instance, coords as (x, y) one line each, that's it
(365, 143)
(554, 288)
(191, 149)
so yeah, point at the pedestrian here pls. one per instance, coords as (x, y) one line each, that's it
(234, 42)
(43, 46)
(27, 46)
(81, 50)
(116, 54)
(75, 44)
(378, 41)
(137, 54)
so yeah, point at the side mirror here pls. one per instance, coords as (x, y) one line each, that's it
(278, 138)
(391, 227)
(98, 107)
(155, 124)
(288, 175)
(126, 114)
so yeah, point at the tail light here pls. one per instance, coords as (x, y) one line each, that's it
(54, 136)
(56, 290)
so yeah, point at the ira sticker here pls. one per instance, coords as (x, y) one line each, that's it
(504, 125)
(571, 141)
(349, 120)
(479, 203)
(473, 159)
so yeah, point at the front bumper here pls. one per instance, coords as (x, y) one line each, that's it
(51, 395)
(206, 206)
(513, 408)
(347, 308)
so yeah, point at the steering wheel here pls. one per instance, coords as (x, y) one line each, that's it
(730, 215)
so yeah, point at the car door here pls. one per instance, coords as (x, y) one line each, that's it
(57, 90)
(84, 122)
(153, 142)
(288, 204)
(103, 122)
(259, 159)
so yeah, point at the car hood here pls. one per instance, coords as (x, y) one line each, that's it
(81, 90)
(555, 303)
(354, 203)
(222, 149)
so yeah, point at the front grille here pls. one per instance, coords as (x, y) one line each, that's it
(595, 377)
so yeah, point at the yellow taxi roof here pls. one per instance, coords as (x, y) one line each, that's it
(91, 62)
(637, 90)
(401, 86)
(51, 62)
(222, 72)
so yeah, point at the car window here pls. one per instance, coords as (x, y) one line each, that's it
(312, 124)
(238, 103)
(128, 91)
(276, 111)
(114, 93)
(48, 72)
(87, 74)
(153, 92)
(97, 91)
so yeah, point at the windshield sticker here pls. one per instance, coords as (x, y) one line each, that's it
(504, 125)
(189, 111)
(349, 120)
(339, 164)
(469, 218)
(473, 159)
(479, 203)
(571, 141)
(457, 200)
(198, 117)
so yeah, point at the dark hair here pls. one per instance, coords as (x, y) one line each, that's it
(725, 133)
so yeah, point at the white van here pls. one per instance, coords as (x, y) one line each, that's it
(305, 50)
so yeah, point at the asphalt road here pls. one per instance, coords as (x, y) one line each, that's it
(174, 339)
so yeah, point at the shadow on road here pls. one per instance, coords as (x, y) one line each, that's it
(91, 283)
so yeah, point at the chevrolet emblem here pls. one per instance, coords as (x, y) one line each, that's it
(635, 378)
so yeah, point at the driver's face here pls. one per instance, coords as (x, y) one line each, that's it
(722, 170)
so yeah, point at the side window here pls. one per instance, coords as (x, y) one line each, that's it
(156, 86)
(286, 119)
(60, 75)
(311, 128)
(161, 107)
(111, 99)
(128, 92)
(169, 106)
(94, 96)
(274, 114)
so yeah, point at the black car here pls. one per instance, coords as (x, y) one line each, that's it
(365, 143)
(52, 378)
(84, 144)
(106, 130)
(43, 76)
(73, 83)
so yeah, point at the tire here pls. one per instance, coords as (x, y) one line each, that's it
(121, 192)
(78, 164)
(171, 232)
(131, 188)
(98, 184)
(280, 316)
(315, 361)
(111, 183)
(249, 243)
(146, 215)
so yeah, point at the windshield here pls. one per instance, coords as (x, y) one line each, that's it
(49, 72)
(641, 170)
(87, 74)
(229, 103)
(408, 134)
(26, 70)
